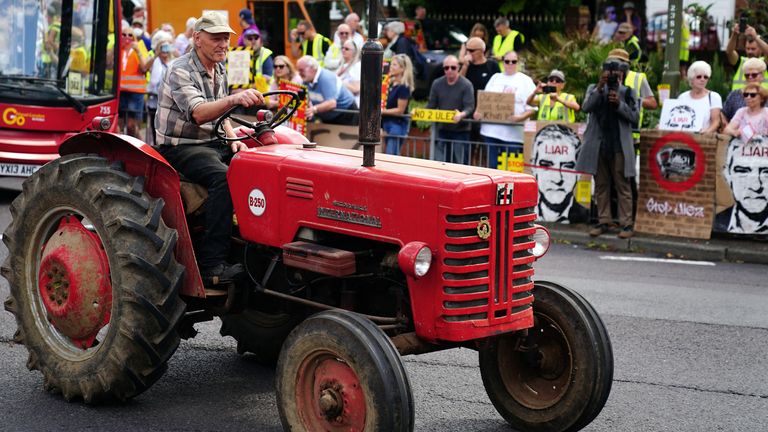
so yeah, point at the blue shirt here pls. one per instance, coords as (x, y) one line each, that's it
(327, 86)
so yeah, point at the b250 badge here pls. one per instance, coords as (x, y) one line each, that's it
(484, 228)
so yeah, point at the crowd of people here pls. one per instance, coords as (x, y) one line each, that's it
(330, 68)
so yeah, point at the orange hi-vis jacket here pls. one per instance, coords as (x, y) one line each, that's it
(131, 77)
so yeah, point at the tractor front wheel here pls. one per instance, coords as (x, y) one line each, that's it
(93, 279)
(557, 377)
(339, 372)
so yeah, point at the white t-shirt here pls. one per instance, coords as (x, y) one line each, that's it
(605, 30)
(352, 74)
(522, 85)
(702, 106)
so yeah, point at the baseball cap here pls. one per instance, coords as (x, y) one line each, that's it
(247, 15)
(251, 31)
(629, 5)
(624, 28)
(557, 74)
(618, 54)
(213, 22)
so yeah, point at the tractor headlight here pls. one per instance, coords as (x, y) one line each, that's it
(541, 240)
(415, 259)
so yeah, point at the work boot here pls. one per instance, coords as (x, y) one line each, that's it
(221, 274)
(626, 232)
(598, 229)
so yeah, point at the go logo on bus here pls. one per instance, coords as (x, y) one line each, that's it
(12, 117)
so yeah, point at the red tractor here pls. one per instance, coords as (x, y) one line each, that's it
(402, 256)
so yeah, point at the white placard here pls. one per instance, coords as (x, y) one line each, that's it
(238, 67)
(678, 115)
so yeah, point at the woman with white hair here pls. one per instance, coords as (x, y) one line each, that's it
(349, 71)
(162, 45)
(753, 70)
(703, 101)
(398, 42)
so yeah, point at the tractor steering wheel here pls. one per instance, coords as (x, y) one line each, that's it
(269, 121)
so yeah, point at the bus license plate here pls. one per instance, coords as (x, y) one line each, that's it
(17, 170)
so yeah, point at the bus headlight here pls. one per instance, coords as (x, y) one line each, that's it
(542, 241)
(415, 259)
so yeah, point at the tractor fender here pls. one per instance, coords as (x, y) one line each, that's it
(160, 181)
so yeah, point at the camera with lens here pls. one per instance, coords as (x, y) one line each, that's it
(614, 68)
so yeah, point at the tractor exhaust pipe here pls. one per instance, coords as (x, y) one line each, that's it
(370, 89)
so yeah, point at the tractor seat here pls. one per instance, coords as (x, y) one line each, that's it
(193, 195)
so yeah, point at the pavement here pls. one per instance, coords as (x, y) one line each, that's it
(721, 247)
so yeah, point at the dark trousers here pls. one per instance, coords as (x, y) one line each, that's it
(496, 147)
(207, 164)
(610, 171)
(452, 146)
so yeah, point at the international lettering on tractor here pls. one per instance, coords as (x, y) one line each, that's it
(351, 263)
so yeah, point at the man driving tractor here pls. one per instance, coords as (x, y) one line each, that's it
(193, 95)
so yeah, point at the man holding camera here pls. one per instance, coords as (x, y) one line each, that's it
(554, 104)
(608, 152)
(754, 46)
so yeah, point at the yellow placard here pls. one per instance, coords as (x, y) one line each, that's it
(584, 192)
(433, 115)
(514, 162)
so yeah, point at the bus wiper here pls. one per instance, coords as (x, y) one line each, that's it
(76, 103)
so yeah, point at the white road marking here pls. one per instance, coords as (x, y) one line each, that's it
(656, 260)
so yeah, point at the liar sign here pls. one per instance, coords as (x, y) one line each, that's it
(257, 202)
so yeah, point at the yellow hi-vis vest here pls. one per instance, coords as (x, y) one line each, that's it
(739, 80)
(634, 80)
(317, 48)
(635, 43)
(503, 45)
(685, 35)
(558, 111)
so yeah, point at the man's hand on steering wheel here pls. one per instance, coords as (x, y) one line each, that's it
(248, 97)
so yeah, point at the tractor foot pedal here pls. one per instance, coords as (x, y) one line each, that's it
(214, 292)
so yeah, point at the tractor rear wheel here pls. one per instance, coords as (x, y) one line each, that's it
(559, 376)
(339, 372)
(93, 279)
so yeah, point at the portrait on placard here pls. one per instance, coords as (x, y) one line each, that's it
(554, 152)
(745, 171)
(679, 116)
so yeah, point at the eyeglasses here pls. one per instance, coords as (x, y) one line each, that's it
(128, 34)
(279, 66)
(510, 61)
(556, 80)
(451, 67)
(253, 37)
(702, 77)
(751, 75)
(750, 95)
(343, 33)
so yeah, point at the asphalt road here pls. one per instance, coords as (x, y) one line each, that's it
(689, 345)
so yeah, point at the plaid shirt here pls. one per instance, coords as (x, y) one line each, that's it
(186, 85)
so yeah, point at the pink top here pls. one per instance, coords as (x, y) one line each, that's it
(751, 125)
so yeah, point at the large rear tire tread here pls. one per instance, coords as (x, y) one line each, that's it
(367, 350)
(591, 369)
(145, 277)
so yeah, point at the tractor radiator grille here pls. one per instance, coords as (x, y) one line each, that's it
(488, 279)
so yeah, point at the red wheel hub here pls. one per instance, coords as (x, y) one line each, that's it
(330, 396)
(74, 282)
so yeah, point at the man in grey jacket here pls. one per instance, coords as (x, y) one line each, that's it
(608, 152)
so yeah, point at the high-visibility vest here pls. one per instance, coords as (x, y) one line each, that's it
(739, 80)
(131, 78)
(54, 27)
(685, 36)
(558, 112)
(635, 43)
(503, 45)
(258, 62)
(317, 48)
(634, 80)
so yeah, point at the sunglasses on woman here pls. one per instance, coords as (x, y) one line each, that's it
(510, 61)
(751, 75)
(279, 66)
(750, 95)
